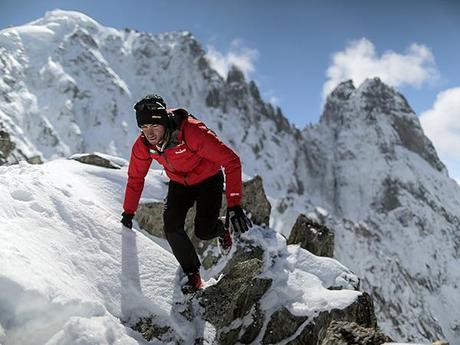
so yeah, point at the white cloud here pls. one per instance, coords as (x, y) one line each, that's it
(441, 124)
(360, 60)
(238, 55)
(274, 100)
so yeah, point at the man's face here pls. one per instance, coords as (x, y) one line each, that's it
(153, 133)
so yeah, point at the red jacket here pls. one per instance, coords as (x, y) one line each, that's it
(196, 154)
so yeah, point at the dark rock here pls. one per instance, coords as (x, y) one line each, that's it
(314, 237)
(350, 333)
(283, 324)
(213, 100)
(413, 138)
(148, 327)
(245, 251)
(254, 91)
(6, 146)
(250, 333)
(255, 201)
(150, 218)
(235, 296)
(94, 159)
(389, 198)
(35, 160)
(235, 75)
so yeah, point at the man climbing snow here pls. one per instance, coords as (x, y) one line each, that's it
(192, 156)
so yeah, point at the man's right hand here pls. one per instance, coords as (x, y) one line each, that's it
(127, 219)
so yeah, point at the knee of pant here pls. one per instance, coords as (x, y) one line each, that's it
(171, 223)
(205, 229)
(205, 235)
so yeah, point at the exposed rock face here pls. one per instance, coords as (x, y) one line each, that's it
(150, 218)
(350, 333)
(283, 325)
(6, 146)
(314, 237)
(10, 154)
(233, 306)
(151, 330)
(96, 160)
(255, 201)
(236, 296)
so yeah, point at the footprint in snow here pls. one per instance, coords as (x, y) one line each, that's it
(86, 202)
(38, 208)
(22, 195)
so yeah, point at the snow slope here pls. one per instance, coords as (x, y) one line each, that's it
(70, 272)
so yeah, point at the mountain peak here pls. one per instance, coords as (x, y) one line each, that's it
(66, 18)
(380, 94)
(375, 82)
(373, 106)
(343, 90)
(235, 75)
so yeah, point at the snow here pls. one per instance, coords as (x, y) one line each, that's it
(70, 271)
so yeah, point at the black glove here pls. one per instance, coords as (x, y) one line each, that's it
(127, 219)
(236, 216)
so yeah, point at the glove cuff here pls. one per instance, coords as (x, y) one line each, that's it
(128, 215)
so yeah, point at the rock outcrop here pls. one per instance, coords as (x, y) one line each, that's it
(234, 307)
(95, 159)
(350, 333)
(312, 236)
(6, 146)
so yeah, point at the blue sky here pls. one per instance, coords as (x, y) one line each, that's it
(287, 47)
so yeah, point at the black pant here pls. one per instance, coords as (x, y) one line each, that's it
(180, 198)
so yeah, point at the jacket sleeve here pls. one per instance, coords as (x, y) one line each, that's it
(206, 144)
(139, 165)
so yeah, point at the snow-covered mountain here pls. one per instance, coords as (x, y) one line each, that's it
(68, 85)
(395, 210)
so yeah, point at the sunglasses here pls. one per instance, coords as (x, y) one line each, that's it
(141, 106)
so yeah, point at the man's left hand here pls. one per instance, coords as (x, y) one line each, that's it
(240, 222)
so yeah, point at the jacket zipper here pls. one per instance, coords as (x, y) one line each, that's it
(172, 168)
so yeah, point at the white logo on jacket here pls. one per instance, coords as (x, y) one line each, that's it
(180, 151)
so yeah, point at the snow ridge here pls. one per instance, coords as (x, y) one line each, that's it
(71, 272)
